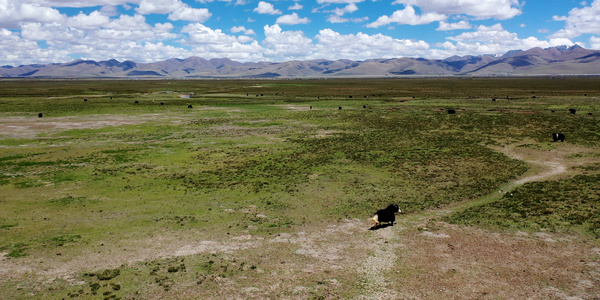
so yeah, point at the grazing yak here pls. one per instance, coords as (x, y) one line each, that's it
(558, 136)
(387, 215)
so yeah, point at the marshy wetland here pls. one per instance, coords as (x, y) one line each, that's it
(254, 189)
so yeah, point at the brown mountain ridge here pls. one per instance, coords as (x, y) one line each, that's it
(561, 60)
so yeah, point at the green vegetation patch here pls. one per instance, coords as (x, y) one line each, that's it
(550, 205)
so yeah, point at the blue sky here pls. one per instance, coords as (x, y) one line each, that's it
(45, 31)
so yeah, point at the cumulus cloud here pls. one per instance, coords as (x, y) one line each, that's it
(495, 40)
(286, 45)
(350, 8)
(444, 26)
(334, 45)
(338, 1)
(480, 9)
(407, 16)
(595, 42)
(338, 19)
(94, 20)
(292, 19)
(266, 8)
(296, 6)
(580, 21)
(12, 13)
(147, 7)
(237, 29)
(190, 14)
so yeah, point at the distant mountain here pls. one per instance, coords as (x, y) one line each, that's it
(562, 60)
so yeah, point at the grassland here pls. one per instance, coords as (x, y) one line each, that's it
(263, 189)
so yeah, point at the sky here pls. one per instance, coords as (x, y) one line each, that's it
(58, 31)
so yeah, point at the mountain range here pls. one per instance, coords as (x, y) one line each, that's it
(561, 60)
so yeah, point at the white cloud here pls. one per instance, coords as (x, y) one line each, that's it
(266, 8)
(407, 16)
(237, 29)
(18, 51)
(360, 46)
(495, 40)
(12, 13)
(214, 43)
(339, 1)
(480, 9)
(444, 26)
(286, 45)
(350, 8)
(292, 19)
(94, 20)
(580, 21)
(595, 42)
(296, 6)
(338, 19)
(147, 7)
(135, 22)
(53, 33)
(190, 14)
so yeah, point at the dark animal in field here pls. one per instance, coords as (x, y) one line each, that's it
(84, 100)
(190, 106)
(40, 115)
(387, 215)
(340, 108)
(136, 102)
(572, 110)
(558, 137)
(451, 111)
(162, 103)
(311, 107)
(364, 106)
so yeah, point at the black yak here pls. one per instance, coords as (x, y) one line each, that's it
(387, 215)
(558, 136)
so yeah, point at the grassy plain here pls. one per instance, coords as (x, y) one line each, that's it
(263, 189)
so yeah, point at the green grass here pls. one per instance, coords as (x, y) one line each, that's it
(178, 169)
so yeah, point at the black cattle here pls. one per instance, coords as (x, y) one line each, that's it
(190, 106)
(558, 136)
(387, 215)
(40, 115)
(364, 106)
(572, 110)
(340, 108)
(162, 103)
(451, 111)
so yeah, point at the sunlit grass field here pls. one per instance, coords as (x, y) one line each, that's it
(112, 165)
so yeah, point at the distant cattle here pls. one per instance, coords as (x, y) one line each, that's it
(162, 103)
(387, 215)
(40, 115)
(84, 100)
(451, 111)
(572, 110)
(364, 106)
(340, 108)
(311, 107)
(136, 102)
(190, 106)
(558, 137)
